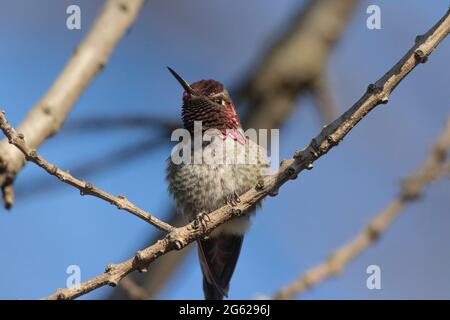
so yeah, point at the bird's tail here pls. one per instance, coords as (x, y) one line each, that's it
(218, 258)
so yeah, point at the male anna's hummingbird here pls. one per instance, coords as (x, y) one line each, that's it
(237, 164)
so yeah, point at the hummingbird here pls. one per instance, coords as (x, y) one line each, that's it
(238, 165)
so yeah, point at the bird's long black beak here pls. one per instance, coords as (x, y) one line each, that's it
(183, 82)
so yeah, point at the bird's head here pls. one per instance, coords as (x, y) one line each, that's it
(209, 102)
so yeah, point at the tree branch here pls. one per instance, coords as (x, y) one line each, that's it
(413, 187)
(329, 137)
(47, 116)
(86, 188)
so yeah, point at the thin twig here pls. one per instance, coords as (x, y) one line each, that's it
(178, 238)
(91, 56)
(86, 188)
(413, 187)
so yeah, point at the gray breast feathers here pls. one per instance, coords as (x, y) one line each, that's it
(205, 187)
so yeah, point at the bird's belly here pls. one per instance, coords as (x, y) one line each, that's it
(205, 188)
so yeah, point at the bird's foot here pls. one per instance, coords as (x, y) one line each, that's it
(202, 219)
(233, 199)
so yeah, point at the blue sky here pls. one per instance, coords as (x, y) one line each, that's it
(48, 231)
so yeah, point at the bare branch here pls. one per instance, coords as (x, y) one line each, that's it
(178, 238)
(86, 188)
(47, 116)
(413, 187)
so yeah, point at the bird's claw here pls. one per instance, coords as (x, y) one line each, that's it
(233, 199)
(202, 219)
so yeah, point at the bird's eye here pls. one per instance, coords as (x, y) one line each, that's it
(219, 101)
